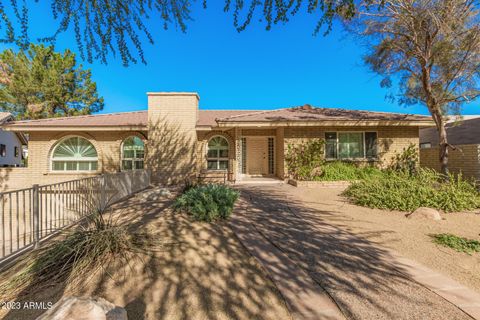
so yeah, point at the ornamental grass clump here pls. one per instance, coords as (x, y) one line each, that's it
(402, 191)
(207, 202)
(77, 254)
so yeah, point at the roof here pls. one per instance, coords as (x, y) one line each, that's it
(308, 113)
(208, 117)
(138, 120)
(114, 120)
(464, 132)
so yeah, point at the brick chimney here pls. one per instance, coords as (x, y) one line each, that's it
(172, 120)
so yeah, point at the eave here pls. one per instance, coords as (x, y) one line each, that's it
(326, 123)
(26, 128)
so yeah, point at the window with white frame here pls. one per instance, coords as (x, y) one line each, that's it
(217, 153)
(133, 153)
(74, 154)
(350, 145)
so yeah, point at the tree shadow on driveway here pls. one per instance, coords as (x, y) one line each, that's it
(362, 278)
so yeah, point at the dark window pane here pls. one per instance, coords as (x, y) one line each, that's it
(212, 165)
(3, 150)
(371, 144)
(138, 164)
(127, 165)
(212, 153)
(223, 165)
(223, 153)
(330, 145)
(128, 154)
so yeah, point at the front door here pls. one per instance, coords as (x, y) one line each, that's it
(257, 156)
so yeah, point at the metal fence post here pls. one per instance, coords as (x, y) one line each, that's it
(36, 215)
(103, 197)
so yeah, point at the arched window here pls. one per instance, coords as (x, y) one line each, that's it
(133, 153)
(217, 154)
(74, 154)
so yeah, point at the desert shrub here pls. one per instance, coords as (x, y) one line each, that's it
(406, 161)
(337, 171)
(304, 160)
(401, 191)
(457, 243)
(207, 202)
(77, 254)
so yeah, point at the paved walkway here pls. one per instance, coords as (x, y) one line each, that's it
(325, 272)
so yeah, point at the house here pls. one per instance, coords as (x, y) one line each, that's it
(465, 137)
(178, 141)
(11, 144)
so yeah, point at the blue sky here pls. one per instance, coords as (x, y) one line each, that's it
(254, 69)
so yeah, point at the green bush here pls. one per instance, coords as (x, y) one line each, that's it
(207, 202)
(401, 191)
(457, 243)
(304, 159)
(337, 171)
(406, 161)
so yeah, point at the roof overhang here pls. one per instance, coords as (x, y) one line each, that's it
(326, 123)
(26, 128)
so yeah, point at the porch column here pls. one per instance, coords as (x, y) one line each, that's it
(238, 154)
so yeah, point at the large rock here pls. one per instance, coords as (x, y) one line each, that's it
(75, 308)
(425, 213)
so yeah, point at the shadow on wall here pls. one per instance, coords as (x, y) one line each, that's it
(4, 177)
(171, 153)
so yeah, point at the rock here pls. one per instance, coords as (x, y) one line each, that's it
(425, 213)
(75, 308)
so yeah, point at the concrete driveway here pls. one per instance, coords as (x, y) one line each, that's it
(320, 267)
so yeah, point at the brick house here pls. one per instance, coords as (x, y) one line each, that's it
(177, 141)
(465, 137)
(11, 144)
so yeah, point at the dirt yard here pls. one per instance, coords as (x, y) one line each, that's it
(202, 272)
(409, 237)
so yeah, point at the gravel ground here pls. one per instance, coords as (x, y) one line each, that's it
(409, 237)
(202, 272)
(317, 229)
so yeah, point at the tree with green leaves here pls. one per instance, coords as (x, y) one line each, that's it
(104, 27)
(41, 83)
(432, 47)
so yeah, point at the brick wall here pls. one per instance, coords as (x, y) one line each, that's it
(172, 149)
(391, 139)
(41, 144)
(465, 159)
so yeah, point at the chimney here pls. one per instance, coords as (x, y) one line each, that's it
(172, 135)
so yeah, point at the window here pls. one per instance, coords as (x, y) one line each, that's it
(351, 145)
(217, 154)
(74, 154)
(133, 154)
(425, 145)
(244, 155)
(271, 155)
(15, 150)
(3, 150)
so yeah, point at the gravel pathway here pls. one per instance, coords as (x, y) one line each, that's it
(360, 276)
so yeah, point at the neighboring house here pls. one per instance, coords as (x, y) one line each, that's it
(11, 144)
(465, 137)
(177, 141)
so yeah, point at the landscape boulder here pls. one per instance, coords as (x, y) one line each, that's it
(425, 213)
(76, 308)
